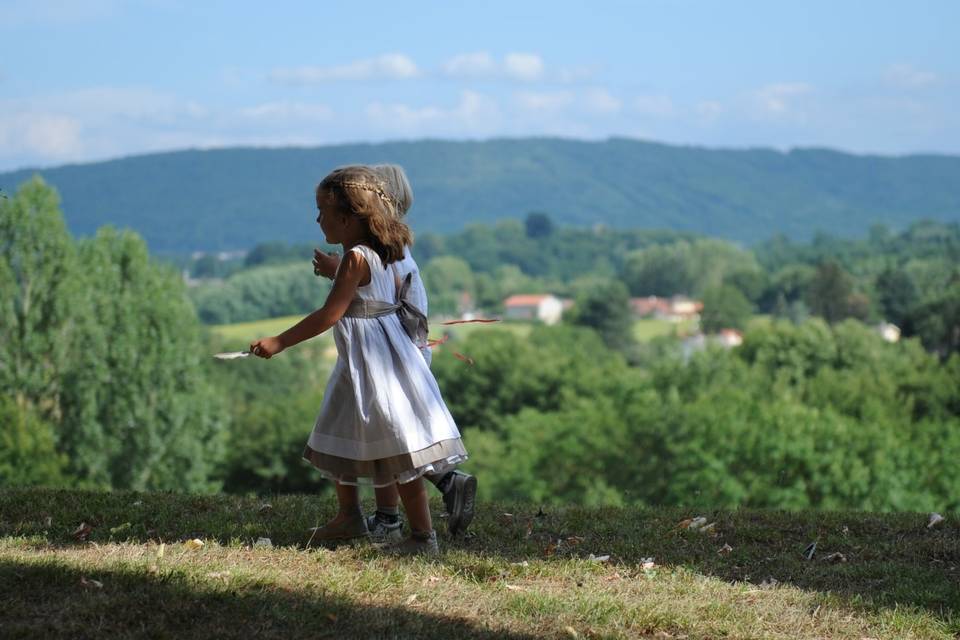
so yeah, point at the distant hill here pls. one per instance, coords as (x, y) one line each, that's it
(235, 198)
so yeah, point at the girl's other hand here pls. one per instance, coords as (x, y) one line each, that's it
(266, 347)
(325, 264)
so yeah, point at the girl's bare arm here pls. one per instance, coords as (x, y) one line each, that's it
(352, 272)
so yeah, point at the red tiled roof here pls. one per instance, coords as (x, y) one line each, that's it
(525, 300)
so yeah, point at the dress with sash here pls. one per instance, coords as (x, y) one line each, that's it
(383, 419)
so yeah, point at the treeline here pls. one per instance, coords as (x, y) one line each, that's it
(910, 278)
(799, 416)
(106, 380)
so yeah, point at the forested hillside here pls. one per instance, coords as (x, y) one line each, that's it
(235, 198)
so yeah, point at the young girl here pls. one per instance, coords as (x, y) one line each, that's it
(382, 420)
(459, 489)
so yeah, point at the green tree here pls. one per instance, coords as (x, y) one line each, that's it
(28, 454)
(447, 278)
(724, 307)
(830, 291)
(40, 299)
(606, 309)
(538, 225)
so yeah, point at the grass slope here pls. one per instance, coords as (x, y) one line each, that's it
(235, 198)
(133, 577)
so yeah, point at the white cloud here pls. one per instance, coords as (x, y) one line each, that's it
(601, 101)
(709, 110)
(392, 66)
(544, 100)
(523, 66)
(904, 76)
(469, 65)
(279, 111)
(43, 134)
(779, 100)
(474, 114)
(659, 106)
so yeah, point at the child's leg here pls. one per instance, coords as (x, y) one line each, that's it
(348, 500)
(348, 523)
(387, 497)
(414, 497)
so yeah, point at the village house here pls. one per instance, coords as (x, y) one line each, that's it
(675, 309)
(546, 308)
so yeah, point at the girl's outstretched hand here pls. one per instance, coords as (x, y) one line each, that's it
(325, 264)
(266, 347)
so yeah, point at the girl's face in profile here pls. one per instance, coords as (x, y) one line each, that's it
(329, 219)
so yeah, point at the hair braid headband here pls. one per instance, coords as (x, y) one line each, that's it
(374, 188)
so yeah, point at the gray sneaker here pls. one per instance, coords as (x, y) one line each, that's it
(415, 545)
(381, 531)
(459, 500)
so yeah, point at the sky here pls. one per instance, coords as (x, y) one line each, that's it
(96, 79)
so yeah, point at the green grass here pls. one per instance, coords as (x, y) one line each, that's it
(647, 329)
(133, 577)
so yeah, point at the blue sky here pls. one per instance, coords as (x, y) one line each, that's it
(95, 79)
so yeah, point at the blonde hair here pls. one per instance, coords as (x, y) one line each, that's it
(397, 186)
(362, 191)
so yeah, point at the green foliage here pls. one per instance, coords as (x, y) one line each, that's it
(103, 346)
(538, 225)
(605, 308)
(801, 416)
(724, 307)
(259, 293)
(28, 454)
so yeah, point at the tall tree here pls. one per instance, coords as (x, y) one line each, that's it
(829, 292)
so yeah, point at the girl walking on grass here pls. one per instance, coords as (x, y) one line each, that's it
(383, 420)
(459, 489)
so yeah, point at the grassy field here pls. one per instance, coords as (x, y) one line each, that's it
(243, 332)
(521, 573)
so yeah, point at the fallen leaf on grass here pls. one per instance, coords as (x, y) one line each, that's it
(707, 528)
(90, 583)
(265, 509)
(935, 519)
(572, 540)
(82, 532)
(571, 632)
(520, 564)
(332, 617)
(434, 579)
(725, 549)
(692, 523)
(48, 522)
(647, 563)
(594, 558)
(835, 557)
(411, 599)
(810, 550)
(219, 575)
(160, 550)
(196, 543)
(769, 583)
(513, 587)
(263, 542)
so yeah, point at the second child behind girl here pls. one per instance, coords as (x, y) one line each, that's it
(382, 420)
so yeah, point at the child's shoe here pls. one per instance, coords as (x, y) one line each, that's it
(383, 531)
(459, 499)
(352, 528)
(418, 544)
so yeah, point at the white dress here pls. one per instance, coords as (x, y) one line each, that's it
(382, 419)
